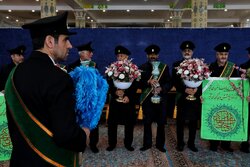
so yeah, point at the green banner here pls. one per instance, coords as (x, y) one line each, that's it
(225, 109)
(5, 142)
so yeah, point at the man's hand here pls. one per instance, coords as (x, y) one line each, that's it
(248, 98)
(201, 98)
(153, 83)
(125, 99)
(191, 91)
(119, 92)
(157, 90)
(87, 132)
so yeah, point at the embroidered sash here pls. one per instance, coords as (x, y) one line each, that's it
(147, 91)
(37, 136)
(228, 70)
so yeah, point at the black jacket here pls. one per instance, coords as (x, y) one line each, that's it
(47, 91)
(122, 113)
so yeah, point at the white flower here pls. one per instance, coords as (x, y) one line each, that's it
(121, 76)
(126, 68)
(186, 72)
(110, 73)
(179, 71)
(199, 68)
(195, 76)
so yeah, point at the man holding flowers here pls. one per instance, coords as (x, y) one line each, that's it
(122, 104)
(186, 109)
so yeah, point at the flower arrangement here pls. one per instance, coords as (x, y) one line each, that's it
(123, 71)
(193, 70)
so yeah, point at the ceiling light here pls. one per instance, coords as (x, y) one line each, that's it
(103, 10)
(37, 0)
(33, 11)
(152, 10)
(9, 10)
(88, 17)
(225, 10)
(7, 17)
(128, 10)
(92, 20)
(108, 0)
(57, 11)
(17, 20)
(248, 19)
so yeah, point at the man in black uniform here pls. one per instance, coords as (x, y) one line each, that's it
(222, 68)
(121, 112)
(244, 146)
(86, 52)
(186, 109)
(16, 57)
(154, 112)
(40, 104)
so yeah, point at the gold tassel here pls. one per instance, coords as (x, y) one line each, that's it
(107, 112)
(175, 112)
(140, 114)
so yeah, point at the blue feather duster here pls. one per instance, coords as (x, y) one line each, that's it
(90, 94)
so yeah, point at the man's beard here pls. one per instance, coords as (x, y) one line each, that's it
(187, 56)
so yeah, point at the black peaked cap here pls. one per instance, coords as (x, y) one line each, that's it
(54, 25)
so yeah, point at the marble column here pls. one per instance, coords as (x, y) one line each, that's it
(176, 17)
(80, 18)
(93, 24)
(167, 24)
(244, 22)
(199, 13)
(48, 8)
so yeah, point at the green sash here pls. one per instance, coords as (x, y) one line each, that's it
(228, 70)
(38, 137)
(147, 91)
(92, 64)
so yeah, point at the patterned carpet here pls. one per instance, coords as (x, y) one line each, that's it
(120, 157)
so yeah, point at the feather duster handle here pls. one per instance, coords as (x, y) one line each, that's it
(90, 94)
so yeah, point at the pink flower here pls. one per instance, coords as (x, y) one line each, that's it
(123, 71)
(193, 69)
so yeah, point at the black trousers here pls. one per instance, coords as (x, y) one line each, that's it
(192, 127)
(112, 134)
(160, 135)
(154, 113)
(94, 137)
